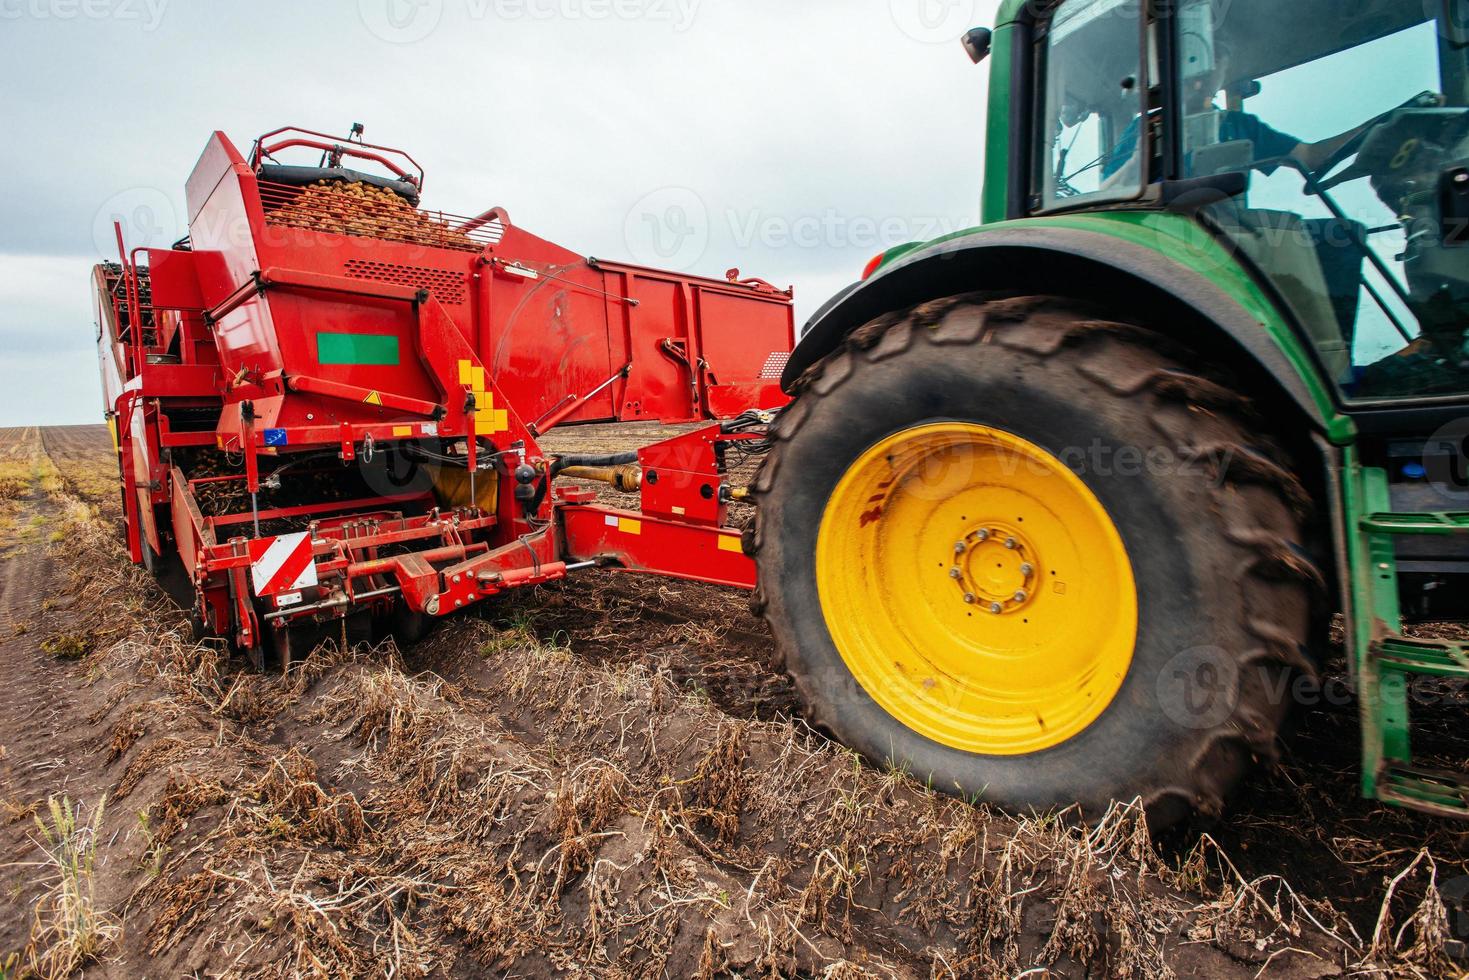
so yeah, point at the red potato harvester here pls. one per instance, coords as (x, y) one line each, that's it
(326, 400)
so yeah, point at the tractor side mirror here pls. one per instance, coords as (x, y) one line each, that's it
(977, 44)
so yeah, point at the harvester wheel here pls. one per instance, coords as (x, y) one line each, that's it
(285, 645)
(198, 629)
(1016, 551)
(406, 626)
(152, 561)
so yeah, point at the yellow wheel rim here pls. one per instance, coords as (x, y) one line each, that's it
(976, 588)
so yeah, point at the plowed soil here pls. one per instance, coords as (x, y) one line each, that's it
(603, 777)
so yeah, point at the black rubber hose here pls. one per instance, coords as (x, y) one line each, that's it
(533, 506)
(615, 459)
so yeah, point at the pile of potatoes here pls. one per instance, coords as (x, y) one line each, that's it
(366, 210)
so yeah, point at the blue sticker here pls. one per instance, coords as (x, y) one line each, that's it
(276, 437)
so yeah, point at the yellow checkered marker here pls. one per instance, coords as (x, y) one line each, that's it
(487, 419)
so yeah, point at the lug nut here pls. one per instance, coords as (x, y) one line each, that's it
(982, 534)
(969, 598)
(959, 547)
(1020, 596)
(1010, 543)
(1027, 569)
(954, 573)
(996, 608)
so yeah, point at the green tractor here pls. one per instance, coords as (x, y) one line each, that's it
(1066, 504)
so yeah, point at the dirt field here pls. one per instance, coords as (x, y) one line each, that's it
(605, 778)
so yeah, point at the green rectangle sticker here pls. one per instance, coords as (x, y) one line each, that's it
(356, 348)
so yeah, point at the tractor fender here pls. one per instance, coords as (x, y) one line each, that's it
(1080, 264)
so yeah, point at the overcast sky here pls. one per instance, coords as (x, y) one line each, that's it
(791, 138)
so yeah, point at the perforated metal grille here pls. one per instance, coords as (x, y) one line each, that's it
(446, 287)
(775, 364)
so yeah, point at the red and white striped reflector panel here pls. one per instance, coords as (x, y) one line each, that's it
(282, 564)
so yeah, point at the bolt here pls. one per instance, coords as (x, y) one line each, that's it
(982, 534)
(959, 547)
(1027, 569)
(969, 598)
(996, 608)
(1020, 595)
(954, 573)
(1011, 544)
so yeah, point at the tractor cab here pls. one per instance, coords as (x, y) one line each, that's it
(1327, 141)
(1209, 226)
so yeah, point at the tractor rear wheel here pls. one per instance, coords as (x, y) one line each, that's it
(1015, 550)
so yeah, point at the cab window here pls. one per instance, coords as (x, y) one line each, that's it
(1093, 131)
(1349, 131)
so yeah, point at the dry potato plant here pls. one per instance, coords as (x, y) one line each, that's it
(70, 929)
(491, 804)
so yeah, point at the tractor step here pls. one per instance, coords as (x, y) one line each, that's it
(1409, 655)
(1416, 523)
(1383, 659)
(1436, 791)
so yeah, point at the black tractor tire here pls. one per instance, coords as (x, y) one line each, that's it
(1225, 592)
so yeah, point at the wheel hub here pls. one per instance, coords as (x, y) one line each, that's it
(976, 588)
(995, 568)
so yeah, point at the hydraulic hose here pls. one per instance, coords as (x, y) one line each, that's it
(614, 459)
(627, 478)
(533, 506)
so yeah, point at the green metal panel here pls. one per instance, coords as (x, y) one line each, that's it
(1434, 523)
(356, 349)
(1438, 658)
(1385, 659)
(994, 203)
(1180, 239)
(1010, 11)
(1381, 694)
(1442, 793)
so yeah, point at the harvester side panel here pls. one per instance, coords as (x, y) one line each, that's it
(687, 335)
(111, 357)
(220, 224)
(548, 335)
